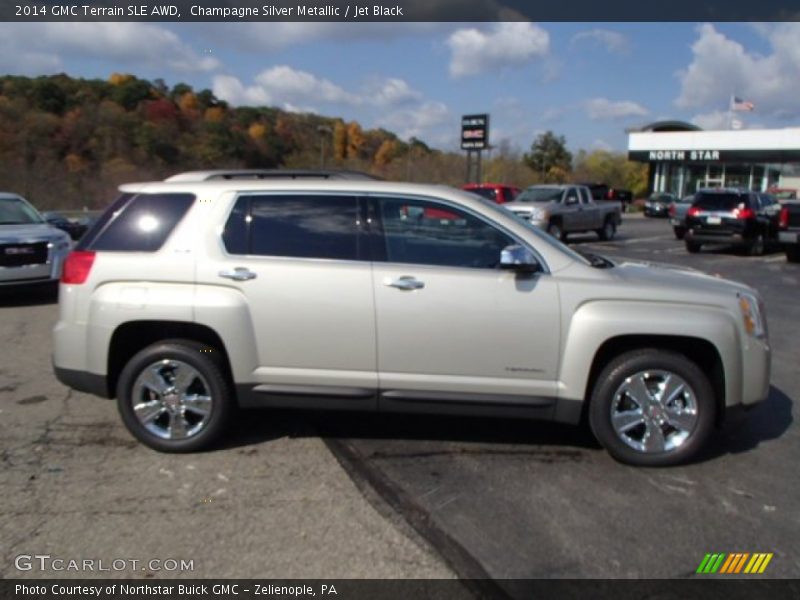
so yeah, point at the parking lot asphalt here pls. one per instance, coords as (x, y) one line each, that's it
(425, 497)
(529, 500)
(273, 503)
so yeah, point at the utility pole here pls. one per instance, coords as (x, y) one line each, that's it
(323, 131)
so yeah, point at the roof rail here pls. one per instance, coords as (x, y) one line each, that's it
(226, 174)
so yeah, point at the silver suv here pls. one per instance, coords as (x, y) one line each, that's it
(31, 250)
(192, 297)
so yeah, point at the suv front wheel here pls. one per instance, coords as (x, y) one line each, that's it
(652, 408)
(174, 397)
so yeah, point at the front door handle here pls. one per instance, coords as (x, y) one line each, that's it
(405, 282)
(238, 274)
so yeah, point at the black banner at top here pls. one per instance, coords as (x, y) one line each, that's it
(397, 10)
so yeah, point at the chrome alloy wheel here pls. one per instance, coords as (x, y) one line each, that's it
(171, 399)
(654, 411)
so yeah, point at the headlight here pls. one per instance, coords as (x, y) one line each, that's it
(752, 315)
(540, 214)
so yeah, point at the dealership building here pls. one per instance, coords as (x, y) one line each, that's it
(684, 158)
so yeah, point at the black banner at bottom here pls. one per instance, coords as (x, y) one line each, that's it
(734, 588)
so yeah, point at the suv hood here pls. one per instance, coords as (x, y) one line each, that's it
(675, 279)
(30, 232)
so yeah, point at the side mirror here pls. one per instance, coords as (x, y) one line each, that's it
(520, 259)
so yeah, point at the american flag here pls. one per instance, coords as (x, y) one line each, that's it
(739, 104)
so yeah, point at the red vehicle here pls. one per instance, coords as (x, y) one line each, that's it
(497, 192)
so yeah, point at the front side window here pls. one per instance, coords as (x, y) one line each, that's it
(428, 233)
(299, 226)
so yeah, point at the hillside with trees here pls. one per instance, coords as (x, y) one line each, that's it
(68, 142)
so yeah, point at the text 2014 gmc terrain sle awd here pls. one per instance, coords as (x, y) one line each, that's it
(202, 293)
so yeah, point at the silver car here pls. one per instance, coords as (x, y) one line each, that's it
(191, 297)
(31, 250)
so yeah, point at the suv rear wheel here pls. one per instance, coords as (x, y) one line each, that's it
(793, 253)
(174, 397)
(652, 408)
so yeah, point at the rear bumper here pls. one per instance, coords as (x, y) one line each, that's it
(789, 237)
(83, 381)
(734, 238)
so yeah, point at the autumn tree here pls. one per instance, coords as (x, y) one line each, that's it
(549, 157)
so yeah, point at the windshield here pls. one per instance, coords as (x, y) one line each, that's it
(540, 194)
(16, 211)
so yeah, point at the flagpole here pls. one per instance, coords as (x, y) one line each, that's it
(730, 111)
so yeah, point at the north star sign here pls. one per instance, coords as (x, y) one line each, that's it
(683, 155)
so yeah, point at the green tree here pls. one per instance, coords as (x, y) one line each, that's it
(549, 157)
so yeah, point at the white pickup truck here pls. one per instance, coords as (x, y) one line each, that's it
(565, 209)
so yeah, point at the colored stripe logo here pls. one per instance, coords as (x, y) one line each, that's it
(737, 562)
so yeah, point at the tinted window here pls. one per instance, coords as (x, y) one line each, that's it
(137, 223)
(540, 194)
(585, 195)
(295, 226)
(234, 236)
(572, 197)
(721, 201)
(428, 233)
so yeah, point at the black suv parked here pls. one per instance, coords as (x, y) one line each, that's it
(732, 217)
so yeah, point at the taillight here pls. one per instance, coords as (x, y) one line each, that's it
(692, 212)
(744, 213)
(77, 267)
(784, 218)
(671, 210)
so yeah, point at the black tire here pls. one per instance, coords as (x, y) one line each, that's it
(208, 364)
(679, 232)
(756, 247)
(693, 247)
(608, 230)
(793, 254)
(555, 229)
(651, 360)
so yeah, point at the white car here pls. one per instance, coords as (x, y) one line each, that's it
(31, 250)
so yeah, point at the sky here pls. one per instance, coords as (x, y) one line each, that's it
(586, 81)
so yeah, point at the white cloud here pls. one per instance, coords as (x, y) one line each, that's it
(722, 66)
(43, 47)
(418, 122)
(718, 119)
(503, 45)
(286, 84)
(613, 41)
(282, 85)
(603, 109)
(390, 92)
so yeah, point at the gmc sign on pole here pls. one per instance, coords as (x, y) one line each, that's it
(474, 132)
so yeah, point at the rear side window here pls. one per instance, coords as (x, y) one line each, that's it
(294, 226)
(488, 193)
(137, 223)
(720, 201)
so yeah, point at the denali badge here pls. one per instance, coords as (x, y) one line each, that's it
(20, 250)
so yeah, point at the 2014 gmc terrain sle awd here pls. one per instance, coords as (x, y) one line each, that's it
(195, 295)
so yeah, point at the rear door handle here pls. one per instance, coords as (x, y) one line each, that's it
(238, 274)
(406, 282)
